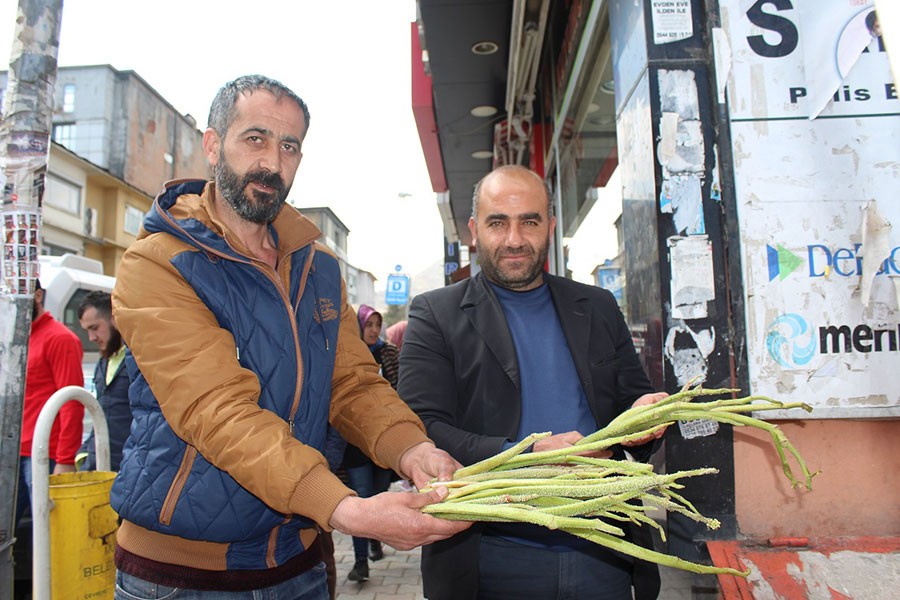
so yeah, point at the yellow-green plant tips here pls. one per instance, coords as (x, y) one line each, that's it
(592, 497)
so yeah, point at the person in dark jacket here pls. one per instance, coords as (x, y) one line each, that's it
(110, 378)
(367, 478)
(510, 352)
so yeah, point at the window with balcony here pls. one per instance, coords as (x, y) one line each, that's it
(133, 219)
(63, 194)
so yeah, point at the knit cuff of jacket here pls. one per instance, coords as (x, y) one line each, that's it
(397, 440)
(318, 495)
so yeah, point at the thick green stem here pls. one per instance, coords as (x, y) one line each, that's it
(626, 547)
(498, 459)
(521, 514)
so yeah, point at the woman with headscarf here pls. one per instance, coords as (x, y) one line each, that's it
(367, 478)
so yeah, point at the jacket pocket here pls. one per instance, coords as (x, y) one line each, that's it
(608, 361)
(168, 507)
(604, 377)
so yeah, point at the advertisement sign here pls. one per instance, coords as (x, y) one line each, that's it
(451, 260)
(814, 128)
(806, 59)
(397, 291)
(610, 278)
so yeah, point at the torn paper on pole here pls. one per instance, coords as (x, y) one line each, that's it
(876, 247)
(692, 281)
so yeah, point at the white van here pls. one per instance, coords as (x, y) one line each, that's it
(66, 281)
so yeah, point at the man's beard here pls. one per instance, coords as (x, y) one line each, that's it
(262, 208)
(490, 264)
(115, 342)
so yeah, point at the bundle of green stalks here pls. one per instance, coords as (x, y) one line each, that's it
(590, 497)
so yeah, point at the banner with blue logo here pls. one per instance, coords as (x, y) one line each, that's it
(397, 291)
(815, 124)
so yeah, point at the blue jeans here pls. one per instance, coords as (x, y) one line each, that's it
(367, 480)
(23, 488)
(310, 585)
(511, 570)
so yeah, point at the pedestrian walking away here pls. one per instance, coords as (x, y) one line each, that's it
(510, 352)
(242, 350)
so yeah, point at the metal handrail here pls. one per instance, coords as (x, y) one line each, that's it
(40, 477)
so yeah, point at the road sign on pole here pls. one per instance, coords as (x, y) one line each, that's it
(397, 289)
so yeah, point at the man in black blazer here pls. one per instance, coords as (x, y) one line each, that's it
(510, 352)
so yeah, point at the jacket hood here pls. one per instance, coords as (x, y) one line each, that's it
(185, 210)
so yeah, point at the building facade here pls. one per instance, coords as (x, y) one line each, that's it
(88, 211)
(117, 121)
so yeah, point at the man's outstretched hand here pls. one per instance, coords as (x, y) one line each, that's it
(395, 518)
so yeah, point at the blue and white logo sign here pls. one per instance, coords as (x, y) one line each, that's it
(397, 289)
(790, 341)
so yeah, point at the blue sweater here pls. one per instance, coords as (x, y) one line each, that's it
(552, 396)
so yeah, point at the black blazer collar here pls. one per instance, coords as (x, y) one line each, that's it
(483, 309)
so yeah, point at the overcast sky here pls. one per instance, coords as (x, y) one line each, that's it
(349, 60)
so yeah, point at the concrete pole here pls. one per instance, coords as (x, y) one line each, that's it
(24, 150)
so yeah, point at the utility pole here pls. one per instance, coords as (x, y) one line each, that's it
(24, 150)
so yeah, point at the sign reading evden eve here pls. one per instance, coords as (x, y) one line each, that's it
(815, 124)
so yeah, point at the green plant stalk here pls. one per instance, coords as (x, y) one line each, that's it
(574, 489)
(593, 505)
(546, 488)
(725, 411)
(551, 456)
(518, 514)
(779, 439)
(502, 457)
(647, 416)
(598, 537)
(687, 511)
(631, 549)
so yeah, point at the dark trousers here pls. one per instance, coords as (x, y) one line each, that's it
(327, 543)
(367, 480)
(511, 570)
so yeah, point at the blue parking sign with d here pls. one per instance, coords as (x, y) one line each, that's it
(397, 289)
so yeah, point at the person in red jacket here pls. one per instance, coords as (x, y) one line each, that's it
(54, 362)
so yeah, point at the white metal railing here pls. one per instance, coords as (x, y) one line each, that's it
(40, 476)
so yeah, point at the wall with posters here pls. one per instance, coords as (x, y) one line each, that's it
(815, 123)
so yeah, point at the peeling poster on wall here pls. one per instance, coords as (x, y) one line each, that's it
(21, 248)
(692, 276)
(671, 21)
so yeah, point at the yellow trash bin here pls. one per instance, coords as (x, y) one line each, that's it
(82, 536)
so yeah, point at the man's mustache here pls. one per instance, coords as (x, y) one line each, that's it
(266, 178)
(520, 251)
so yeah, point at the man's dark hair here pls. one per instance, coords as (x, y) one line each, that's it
(99, 300)
(221, 112)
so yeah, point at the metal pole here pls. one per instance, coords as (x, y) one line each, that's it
(24, 150)
(40, 475)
